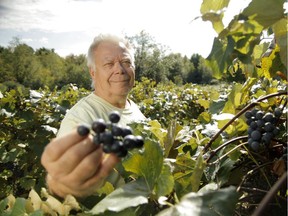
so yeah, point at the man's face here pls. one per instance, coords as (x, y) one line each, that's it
(115, 74)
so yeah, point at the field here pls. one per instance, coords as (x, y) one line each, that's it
(196, 138)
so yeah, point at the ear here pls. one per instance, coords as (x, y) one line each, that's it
(92, 72)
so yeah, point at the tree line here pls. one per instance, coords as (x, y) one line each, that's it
(21, 64)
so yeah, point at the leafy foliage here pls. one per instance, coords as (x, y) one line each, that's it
(196, 159)
(28, 121)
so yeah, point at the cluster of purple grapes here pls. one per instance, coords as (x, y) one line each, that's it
(112, 137)
(262, 127)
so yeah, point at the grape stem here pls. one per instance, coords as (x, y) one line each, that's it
(251, 172)
(247, 107)
(248, 189)
(227, 153)
(214, 152)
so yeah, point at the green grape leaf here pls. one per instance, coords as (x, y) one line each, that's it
(209, 203)
(220, 56)
(19, 207)
(147, 164)
(204, 117)
(107, 188)
(197, 173)
(165, 182)
(157, 130)
(265, 14)
(172, 133)
(36, 213)
(131, 194)
(3, 205)
(214, 5)
(280, 30)
(216, 20)
(184, 166)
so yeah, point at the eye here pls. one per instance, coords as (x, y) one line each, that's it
(126, 62)
(108, 65)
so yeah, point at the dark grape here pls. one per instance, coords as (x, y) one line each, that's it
(254, 111)
(117, 146)
(269, 127)
(99, 126)
(116, 130)
(253, 125)
(248, 114)
(266, 138)
(256, 135)
(260, 123)
(250, 140)
(107, 148)
(248, 121)
(97, 139)
(127, 131)
(259, 115)
(276, 131)
(122, 153)
(277, 112)
(114, 117)
(250, 130)
(268, 117)
(139, 141)
(83, 130)
(107, 137)
(255, 146)
(129, 142)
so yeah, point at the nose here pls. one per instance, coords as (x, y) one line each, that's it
(118, 68)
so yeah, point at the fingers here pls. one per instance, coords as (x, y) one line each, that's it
(58, 146)
(87, 167)
(74, 156)
(105, 168)
(72, 184)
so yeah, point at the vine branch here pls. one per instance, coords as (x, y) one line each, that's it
(247, 107)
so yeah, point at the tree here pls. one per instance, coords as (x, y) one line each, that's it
(53, 66)
(148, 57)
(201, 73)
(76, 71)
(178, 68)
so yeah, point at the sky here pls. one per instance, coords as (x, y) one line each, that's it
(69, 26)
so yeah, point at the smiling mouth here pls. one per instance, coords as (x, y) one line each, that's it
(119, 81)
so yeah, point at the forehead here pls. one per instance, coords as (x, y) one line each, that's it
(110, 49)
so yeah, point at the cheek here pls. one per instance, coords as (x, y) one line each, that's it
(101, 77)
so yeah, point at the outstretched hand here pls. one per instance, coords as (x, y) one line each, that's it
(75, 165)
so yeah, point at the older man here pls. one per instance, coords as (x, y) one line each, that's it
(74, 164)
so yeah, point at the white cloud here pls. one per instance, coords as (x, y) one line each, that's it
(26, 40)
(43, 40)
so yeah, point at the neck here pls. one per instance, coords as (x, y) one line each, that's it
(117, 101)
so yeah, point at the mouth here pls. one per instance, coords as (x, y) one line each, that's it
(120, 81)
